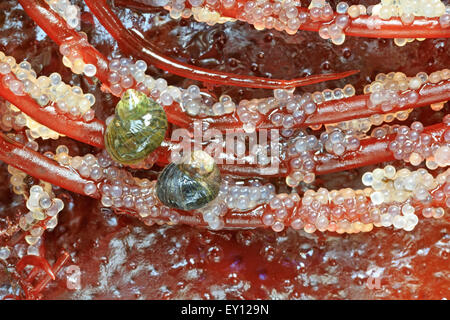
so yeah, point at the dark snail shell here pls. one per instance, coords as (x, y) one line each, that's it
(191, 184)
(138, 128)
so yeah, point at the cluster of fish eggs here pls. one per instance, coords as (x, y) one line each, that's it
(214, 212)
(185, 9)
(378, 119)
(117, 187)
(339, 141)
(196, 103)
(262, 14)
(129, 193)
(335, 32)
(43, 205)
(396, 187)
(344, 210)
(243, 197)
(124, 74)
(286, 16)
(320, 97)
(17, 180)
(69, 99)
(43, 209)
(340, 211)
(358, 127)
(69, 12)
(88, 166)
(236, 196)
(300, 151)
(121, 190)
(73, 59)
(11, 118)
(382, 131)
(279, 209)
(291, 109)
(414, 146)
(408, 9)
(298, 107)
(396, 89)
(281, 16)
(389, 202)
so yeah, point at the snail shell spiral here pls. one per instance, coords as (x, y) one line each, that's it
(138, 128)
(191, 184)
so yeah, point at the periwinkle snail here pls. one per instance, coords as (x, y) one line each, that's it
(138, 128)
(190, 184)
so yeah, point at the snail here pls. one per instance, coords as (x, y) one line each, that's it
(138, 128)
(190, 184)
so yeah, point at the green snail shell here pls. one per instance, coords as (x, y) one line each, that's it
(138, 128)
(191, 184)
